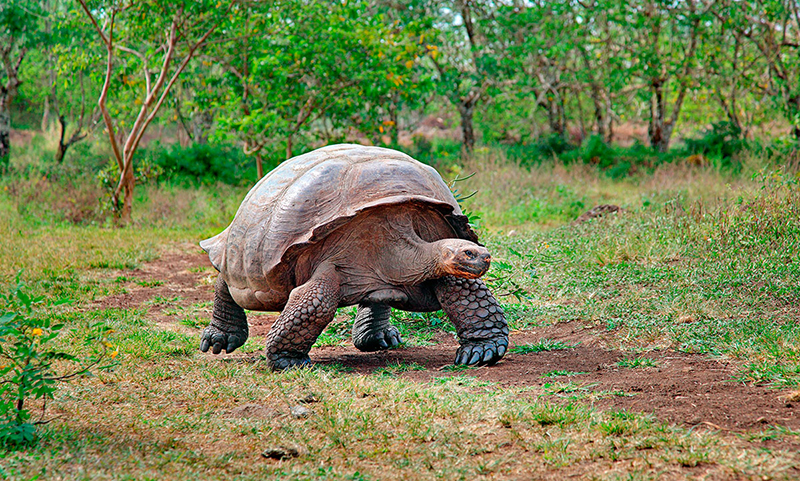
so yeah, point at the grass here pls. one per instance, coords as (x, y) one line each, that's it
(701, 261)
(562, 373)
(541, 345)
(637, 362)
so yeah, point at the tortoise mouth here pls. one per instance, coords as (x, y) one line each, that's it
(470, 271)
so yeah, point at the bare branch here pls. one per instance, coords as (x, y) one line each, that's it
(106, 40)
(101, 102)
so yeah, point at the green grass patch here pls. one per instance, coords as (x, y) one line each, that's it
(541, 346)
(637, 363)
(398, 368)
(562, 373)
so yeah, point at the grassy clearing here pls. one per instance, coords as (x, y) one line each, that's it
(172, 413)
(700, 262)
(711, 276)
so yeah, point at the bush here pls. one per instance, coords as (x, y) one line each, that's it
(437, 152)
(722, 142)
(553, 145)
(28, 363)
(205, 164)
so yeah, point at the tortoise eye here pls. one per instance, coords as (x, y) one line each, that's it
(470, 254)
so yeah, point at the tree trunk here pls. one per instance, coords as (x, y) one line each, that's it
(128, 181)
(289, 147)
(555, 116)
(466, 109)
(609, 119)
(62, 147)
(259, 165)
(793, 109)
(5, 133)
(201, 126)
(658, 131)
(45, 115)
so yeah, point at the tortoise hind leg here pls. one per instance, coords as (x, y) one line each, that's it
(479, 320)
(372, 330)
(310, 308)
(228, 329)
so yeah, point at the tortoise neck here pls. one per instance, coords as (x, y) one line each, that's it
(412, 260)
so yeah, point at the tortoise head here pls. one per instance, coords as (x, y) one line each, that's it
(462, 258)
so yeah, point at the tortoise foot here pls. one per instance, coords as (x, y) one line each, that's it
(284, 361)
(378, 339)
(218, 339)
(483, 352)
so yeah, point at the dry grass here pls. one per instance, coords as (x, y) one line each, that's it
(512, 197)
(176, 418)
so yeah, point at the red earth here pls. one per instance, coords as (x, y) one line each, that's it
(687, 389)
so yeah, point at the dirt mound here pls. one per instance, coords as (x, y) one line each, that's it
(678, 387)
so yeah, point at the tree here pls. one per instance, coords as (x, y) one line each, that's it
(662, 48)
(18, 33)
(535, 42)
(297, 72)
(772, 27)
(462, 61)
(601, 67)
(158, 40)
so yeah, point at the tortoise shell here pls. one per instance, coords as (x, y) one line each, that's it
(309, 196)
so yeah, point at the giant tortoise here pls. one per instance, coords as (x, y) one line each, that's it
(351, 225)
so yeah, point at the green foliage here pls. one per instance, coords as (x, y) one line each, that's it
(31, 363)
(722, 142)
(204, 164)
(315, 70)
(438, 152)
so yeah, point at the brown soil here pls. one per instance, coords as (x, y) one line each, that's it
(686, 389)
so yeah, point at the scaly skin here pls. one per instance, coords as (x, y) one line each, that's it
(372, 330)
(310, 308)
(479, 320)
(228, 329)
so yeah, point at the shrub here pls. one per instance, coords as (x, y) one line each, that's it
(205, 164)
(722, 141)
(29, 360)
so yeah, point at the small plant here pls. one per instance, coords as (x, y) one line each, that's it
(150, 283)
(637, 362)
(30, 366)
(563, 373)
(163, 301)
(550, 414)
(195, 322)
(542, 345)
(399, 368)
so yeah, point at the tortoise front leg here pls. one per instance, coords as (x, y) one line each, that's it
(372, 330)
(228, 329)
(310, 308)
(479, 320)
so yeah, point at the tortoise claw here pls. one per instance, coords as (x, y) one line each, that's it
(482, 352)
(289, 361)
(379, 340)
(217, 340)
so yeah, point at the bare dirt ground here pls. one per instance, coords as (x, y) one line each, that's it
(686, 389)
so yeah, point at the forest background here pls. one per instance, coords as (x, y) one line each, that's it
(131, 92)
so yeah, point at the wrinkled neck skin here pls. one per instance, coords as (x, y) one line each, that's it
(411, 260)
